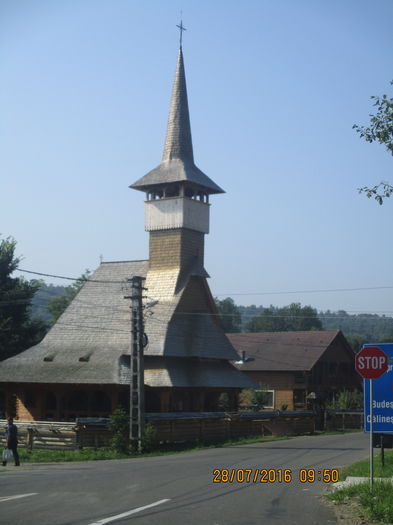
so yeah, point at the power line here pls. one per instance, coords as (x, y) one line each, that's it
(81, 279)
(358, 289)
(322, 290)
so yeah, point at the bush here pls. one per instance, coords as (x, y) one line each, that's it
(120, 427)
(346, 400)
(149, 439)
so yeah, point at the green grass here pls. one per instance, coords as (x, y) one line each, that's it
(377, 503)
(91, 454)
(85, 454)
(362, 468)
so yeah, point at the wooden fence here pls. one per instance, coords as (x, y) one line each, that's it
(343, 419)
(170, 428)
(45, 434)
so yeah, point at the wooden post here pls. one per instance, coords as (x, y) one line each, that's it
(30, 438)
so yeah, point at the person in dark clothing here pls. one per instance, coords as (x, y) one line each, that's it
(11, 434)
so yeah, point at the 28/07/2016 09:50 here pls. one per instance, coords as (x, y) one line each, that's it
(248, 475)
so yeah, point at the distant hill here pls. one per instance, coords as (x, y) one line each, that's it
(357, 328)
(41, 299)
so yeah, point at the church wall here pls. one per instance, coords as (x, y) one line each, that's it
(175, 248)
(195, 298)
(64, 402)
(165, 214)
(33, 402)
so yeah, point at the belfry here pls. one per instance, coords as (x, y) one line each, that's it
(82, 366)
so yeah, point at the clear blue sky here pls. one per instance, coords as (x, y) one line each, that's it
(274, 89)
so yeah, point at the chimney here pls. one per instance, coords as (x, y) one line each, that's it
(243, 356)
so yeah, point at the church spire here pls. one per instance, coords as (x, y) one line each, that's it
(178, 143)
(177, 165)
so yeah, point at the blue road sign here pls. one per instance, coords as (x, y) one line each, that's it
(382, 396)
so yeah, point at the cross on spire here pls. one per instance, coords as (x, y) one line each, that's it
(181, 28)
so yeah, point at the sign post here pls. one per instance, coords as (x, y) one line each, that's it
(371, 362)
(371, 437)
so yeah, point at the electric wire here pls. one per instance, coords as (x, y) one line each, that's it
(322, 290)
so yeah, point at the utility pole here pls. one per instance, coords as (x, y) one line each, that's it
(137, 392)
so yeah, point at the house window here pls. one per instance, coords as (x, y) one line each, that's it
(299, 377)
(299, 398)
(266, 398)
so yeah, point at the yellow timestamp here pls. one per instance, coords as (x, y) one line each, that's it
(263, 475)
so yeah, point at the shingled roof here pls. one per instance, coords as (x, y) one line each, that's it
(178, 158)
(90, 342)
(283, 351)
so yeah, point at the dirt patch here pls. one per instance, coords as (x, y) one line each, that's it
(350, 513)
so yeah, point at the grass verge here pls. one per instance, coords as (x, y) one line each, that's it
(362, 468)
(376, 503)
(91, 454)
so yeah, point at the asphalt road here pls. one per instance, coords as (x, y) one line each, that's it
(179, 489)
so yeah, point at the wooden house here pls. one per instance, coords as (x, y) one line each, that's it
(298, 369)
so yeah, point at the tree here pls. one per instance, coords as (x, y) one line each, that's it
(230, 315)
(18, 330)
(380, 130)
(293, 317)
(57, 305)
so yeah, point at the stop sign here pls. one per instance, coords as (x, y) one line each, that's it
(371, 362)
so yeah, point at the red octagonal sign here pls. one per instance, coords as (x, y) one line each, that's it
(371, 362)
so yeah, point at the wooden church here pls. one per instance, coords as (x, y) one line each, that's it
(82, 367)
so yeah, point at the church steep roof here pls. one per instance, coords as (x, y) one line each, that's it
(178, 158)
(90, 342)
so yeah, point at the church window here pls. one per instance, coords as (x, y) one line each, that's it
(77, 400)
(100, 402)
(189, 192)
(30, 399)
(2, 404)
(173, 191)
(50, 401)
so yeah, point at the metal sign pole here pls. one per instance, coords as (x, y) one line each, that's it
(371, 436)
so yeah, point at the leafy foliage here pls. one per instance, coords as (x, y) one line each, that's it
(120, 426)
(149, 439)
(258, 397)
(293, 317)
(346, 400)
(380, 130)
(230, 315)
(359, 328)
(57, 305)
(18, 330)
